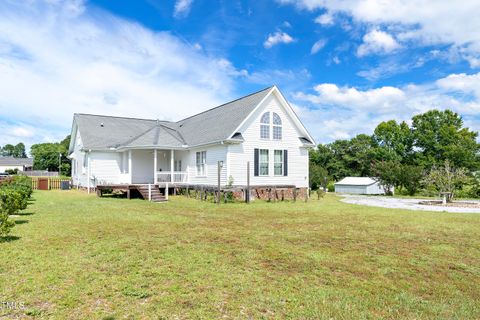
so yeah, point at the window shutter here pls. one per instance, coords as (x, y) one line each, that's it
(285, 162)
(255, 163)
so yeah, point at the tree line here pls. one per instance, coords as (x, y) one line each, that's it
(402, 155)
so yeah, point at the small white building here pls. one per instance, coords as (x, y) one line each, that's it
(359, 185)
(11, 163)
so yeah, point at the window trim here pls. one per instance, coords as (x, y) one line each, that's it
(260, 174)
(202, 164)
(282, 163)
(264, 124)
(278, 126)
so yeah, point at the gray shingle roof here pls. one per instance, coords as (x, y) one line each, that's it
(214, 125)
(11, 161)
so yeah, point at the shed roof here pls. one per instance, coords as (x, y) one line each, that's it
(356, 181)
(11, 161)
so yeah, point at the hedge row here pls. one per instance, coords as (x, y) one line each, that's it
(14, 194)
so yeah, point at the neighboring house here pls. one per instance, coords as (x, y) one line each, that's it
(11, 163)
(358, 185)
(260, 128)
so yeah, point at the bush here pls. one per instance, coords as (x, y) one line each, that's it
(5, 224)
(320, 194)
(12, 171)
(21, 183)
(12, 200)
(331, 186)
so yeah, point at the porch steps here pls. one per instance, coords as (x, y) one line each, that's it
(157, 196)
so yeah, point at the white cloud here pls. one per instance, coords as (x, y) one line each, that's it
(378, 42)
(276, 38)
(325, 19)
(332, 111)
(57, 58)
(23, 132)
(426, 22)
(182, 8)
(317, 46)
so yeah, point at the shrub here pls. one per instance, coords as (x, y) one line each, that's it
(21, 183)
(5, 224)
(12, 200)
(320, 194)
(331, 186)
(12, 171)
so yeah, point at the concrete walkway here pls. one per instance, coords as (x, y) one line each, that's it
(398, 203)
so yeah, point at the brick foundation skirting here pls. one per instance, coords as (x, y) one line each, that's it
(273, 194)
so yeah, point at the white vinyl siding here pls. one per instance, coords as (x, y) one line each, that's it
(214, 154)
(240, 154)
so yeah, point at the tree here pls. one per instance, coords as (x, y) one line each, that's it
(318, 177)
(410, 177)
(440, 136)
(17, 151)
(8, 150)
(387, 175)
(446, 178)
(47, 156)
(394, 140)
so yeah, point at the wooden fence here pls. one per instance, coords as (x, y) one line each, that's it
(54, 183)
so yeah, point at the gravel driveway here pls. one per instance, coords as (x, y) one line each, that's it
(397, 203)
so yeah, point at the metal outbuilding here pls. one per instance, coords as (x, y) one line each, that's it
(358, 185)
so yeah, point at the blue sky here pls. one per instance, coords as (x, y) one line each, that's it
(344, 66)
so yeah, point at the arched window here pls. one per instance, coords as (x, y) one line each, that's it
(277, 127)
(265, 126)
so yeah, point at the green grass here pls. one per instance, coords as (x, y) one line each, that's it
(75, 256)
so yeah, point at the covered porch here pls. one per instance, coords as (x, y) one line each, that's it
(155, 166)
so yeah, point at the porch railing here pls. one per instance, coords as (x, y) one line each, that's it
(166, 176)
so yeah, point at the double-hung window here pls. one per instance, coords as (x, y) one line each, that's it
(278, 162)
(263, 162)
(201, 163)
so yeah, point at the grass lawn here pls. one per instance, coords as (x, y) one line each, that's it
(75, 256)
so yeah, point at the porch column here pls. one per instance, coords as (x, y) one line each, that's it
(130, 165)
(154, 166)
(171, 165)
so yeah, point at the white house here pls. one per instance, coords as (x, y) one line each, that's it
(359, 185)
(11, 163)
(260, 128)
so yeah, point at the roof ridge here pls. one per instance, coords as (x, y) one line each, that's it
(243, 97)
(119, 117)
(137, 136)
(176, 131)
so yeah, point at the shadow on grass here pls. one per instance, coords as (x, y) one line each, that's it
(21, 221)
(24, 213)
(8, 239)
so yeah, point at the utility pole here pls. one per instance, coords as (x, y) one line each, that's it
(59, 164)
